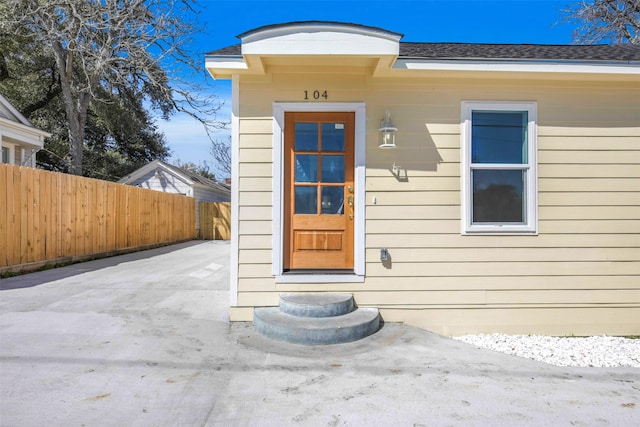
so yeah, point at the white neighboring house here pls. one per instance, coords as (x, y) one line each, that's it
(19, 139)
(160, 176)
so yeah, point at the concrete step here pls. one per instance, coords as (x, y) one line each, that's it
(275, 324)
(316, 305)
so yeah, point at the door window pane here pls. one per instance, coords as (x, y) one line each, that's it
(306, 137)
(498, 196)
(306, 168)
(306, 200)
(499, 137)
(332, 200)
(333, 137)
(333, 168)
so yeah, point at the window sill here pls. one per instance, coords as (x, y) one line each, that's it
(499, 231)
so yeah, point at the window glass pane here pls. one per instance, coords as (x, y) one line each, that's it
(333, 168)
(306, 168)
(498, 196)
(332, 200)
(333, 137)
(5, 155)
(499, 137)
(306, 137)
(306, 200)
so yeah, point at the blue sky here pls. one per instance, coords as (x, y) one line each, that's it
(470, 21)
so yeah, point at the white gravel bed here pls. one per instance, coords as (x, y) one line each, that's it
(595, 351)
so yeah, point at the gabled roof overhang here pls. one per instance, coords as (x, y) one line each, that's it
(308, 44)
(19, 133)
(378, 52)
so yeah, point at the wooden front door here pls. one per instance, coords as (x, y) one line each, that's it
(318, 191)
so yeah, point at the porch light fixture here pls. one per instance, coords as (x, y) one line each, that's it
(387, 133)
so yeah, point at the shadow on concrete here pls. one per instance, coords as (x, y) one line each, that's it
(29, 280)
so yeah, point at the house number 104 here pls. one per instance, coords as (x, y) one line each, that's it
(316, 94)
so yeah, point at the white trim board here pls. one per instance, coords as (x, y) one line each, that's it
(235, 190)
(531, 188)
(279, 109)
(517, 66)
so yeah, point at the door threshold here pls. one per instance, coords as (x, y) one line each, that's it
(319, 276)
(307, 271)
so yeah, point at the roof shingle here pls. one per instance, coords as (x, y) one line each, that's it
(601, 52)
(620, 52)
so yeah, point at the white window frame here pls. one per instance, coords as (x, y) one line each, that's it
(279, 109)
(12, 151)
(8, 159)
(531, 167)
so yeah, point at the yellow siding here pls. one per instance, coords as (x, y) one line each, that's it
(579, 275)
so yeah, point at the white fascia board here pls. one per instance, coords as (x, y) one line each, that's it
(234, 255)
(321, 39)
(322, 43)
(271, 32)
(226, 62)
(155, 165)
(518, 66)
(138, 173)
(223, 67)
(176, 173)
(19, 117)
(25, 134)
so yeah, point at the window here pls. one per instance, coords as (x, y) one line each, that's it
(499, 167)
(5, 154)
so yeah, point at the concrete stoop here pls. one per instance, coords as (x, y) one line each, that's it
(316, 319)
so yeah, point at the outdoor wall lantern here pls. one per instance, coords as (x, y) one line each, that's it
(387, 133)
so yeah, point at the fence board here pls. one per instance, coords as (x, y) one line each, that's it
(36, 240)
(215, 220)
(24, 215)
(4, 245)
(51, 215)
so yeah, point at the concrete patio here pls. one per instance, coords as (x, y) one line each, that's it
(144, 340)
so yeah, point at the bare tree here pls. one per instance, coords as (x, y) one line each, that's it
(613, 21)
(221, 152)
(104, 46)
(201, 168)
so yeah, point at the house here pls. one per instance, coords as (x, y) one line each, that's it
(509, 202)
(160, 176)
(19, 139)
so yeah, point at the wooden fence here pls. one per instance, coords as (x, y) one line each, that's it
(52, 216)
(215, 220)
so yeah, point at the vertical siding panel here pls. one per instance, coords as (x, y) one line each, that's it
(54, 232)
(161, 225)
(101, 198)
(25, 211)
(80, 215)
(92, 234)
(111, 221)
(5, 216)
(43, 178)
(67, 208)
(38, 215)
(121, 216)
(162, 212)
(17, 215)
